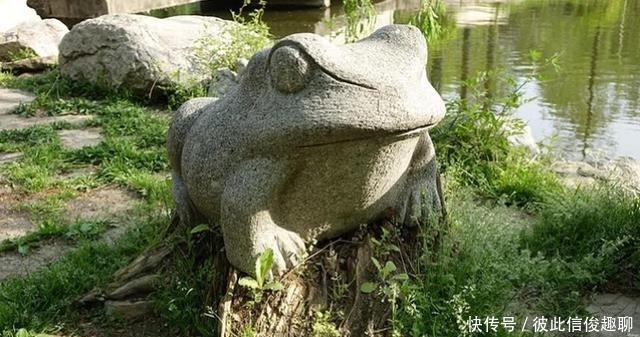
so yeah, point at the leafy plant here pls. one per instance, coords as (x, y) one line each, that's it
(236, 41)
(264, 263)
(433, 20)
(473, 142)
(21, 54)
(323, 327)
(241, 40)
(360, 15)
(386, 278)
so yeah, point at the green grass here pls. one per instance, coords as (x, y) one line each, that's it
(44, 299)
(490, 263)
(21, 54)
(132, 155)
(597, 220)
(497, 261)
(184, 299)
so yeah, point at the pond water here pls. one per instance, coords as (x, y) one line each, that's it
(589, 108)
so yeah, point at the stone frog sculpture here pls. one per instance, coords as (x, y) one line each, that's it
(316, 140)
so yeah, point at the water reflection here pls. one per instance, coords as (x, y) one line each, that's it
(592, 105)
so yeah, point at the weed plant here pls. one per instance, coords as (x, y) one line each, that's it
(360, 19)
(433, 20)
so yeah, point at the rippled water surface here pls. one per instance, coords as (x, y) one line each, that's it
(589, 108)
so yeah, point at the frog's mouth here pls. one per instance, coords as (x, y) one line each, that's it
(395, 136)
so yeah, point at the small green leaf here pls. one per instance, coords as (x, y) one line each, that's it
(86, 227)
(535, 55)
(248, 282)
(263, 266)
(199, 228)
(394, 248)
(401, 277)
(23, 333)
(23, 249)
(275, 286)
(376, 263)
(390, 267)
(368, 287)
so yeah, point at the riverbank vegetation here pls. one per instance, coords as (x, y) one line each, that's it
(516, 241)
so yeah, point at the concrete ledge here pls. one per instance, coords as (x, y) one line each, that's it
(81, 9)
(300, 3)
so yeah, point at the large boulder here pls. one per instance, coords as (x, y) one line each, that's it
(32, 39)
(15, 12)
(139, 52)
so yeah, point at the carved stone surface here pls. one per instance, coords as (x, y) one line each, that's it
(316, 140)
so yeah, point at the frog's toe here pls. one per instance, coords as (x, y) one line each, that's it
(288, 249)
(291, 247)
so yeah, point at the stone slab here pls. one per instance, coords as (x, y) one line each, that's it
(6, 157)
(13, 223)
(13, 264)
(16, 122)
(616, 305)
(105, 203)
(10, 99)
(77, 139)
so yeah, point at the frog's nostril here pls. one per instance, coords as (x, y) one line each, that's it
(289, 69)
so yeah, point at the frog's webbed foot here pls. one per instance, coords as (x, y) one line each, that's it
(424, 201)
(288, 248)
(246, 222)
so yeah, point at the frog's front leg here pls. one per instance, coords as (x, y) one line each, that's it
(247, 226)
(424, 200)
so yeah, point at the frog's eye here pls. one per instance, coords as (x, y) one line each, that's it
(289, 69)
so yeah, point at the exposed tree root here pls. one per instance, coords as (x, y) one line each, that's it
(346, 287)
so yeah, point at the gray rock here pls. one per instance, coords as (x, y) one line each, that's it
(139, 52)
(15, 12)
(77, 139)
(108, 203)
(316, 140)
(622, 171)
(40, 38)
(224, 80)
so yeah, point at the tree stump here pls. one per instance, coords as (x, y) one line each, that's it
(348, 287)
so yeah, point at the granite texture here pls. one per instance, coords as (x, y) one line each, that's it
(316, 140)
